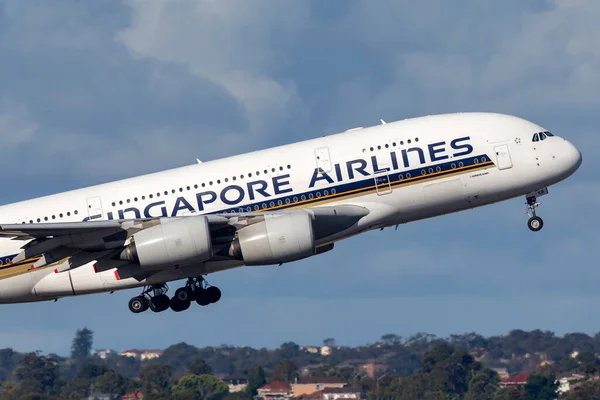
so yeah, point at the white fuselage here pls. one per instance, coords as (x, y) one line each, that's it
(401, 172)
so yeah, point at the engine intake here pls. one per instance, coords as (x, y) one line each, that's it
(172, 243)
(277, 239)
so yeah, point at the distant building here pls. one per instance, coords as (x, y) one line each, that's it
(137, 395)
(342, 393)
(312, 396)
(326, 351)
(310, 349)
(275, 390)
(142, 355)
(502, 373)
(311, 385)
(566, 382)
(516, 380)
(236, 383)
(372, 369)
(99, 396)
(103, 354)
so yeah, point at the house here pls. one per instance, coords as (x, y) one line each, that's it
(236, 383)
(514, 381)
(275, 390)
(313, 396)
(310, 349)
(567, 382)
(103, 354)
(137, 395)
(372, 369)
(99, 396)
(326, 351)
(502, 373)
(142, 355)
(314, 384)
(342, 393)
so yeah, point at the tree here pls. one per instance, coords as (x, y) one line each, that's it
(113, 384)
(200, 367)
(82, 344)
(284, 371)
(38, 374)
(587, 391)
(179, 357)
(482, 385)
(391, 339)
(155, 378)
(541, 387)
(201, 387)
(257, 379)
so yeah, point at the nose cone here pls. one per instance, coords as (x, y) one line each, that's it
(570, 157)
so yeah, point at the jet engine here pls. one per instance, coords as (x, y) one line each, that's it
(276, 239)
(172, 243)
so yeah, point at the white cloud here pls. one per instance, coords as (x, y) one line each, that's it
(16, 124)
(227, 42)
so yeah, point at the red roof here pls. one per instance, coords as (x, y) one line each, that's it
(518, 379)
(277, 386)
(315, 395)
(323, 379)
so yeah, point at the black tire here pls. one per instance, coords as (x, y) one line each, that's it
(202, 298)
(138, 304)
(535, 224)
(179, 305)
(214, 294)
(183, 294)
(160, 303)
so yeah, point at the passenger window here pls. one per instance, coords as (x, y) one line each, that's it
(536, 138)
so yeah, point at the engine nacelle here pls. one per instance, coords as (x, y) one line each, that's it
(277, 239)
(172, 243)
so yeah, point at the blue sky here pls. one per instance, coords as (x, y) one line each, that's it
(96, 91)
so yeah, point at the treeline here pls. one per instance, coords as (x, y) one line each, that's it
(418, 367)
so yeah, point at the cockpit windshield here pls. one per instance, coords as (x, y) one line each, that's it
(541, 136)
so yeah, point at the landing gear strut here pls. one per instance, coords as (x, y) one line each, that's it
(534, 223)
(155, 296)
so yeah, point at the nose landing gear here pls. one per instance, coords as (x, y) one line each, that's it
(155, 297)
(534, 223)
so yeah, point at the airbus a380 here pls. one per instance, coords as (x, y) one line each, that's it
(270, 207)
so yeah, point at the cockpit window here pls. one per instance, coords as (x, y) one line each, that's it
(542, 136)
(549, 134)
(536, 138)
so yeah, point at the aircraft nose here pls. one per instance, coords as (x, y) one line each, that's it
(571, 157)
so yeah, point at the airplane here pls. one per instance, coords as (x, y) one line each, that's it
(270, 207)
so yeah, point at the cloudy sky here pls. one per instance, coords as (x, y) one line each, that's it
(95, 91)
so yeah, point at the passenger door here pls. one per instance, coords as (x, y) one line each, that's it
(503, 160)
(94, 206)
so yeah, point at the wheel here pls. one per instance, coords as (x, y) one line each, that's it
(159, 303)
(178, 305)
(202, 297)
(183, 294)
(138, 304)
(535, 223)
(214, 294)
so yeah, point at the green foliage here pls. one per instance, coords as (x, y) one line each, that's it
(201, 387)
(541, 387)
(155, 378)
(482, 385)
(179, 357)
(257, 379)
(587, 391)
(82, 344)
(200, 367)
(38, 374)
(285, 371)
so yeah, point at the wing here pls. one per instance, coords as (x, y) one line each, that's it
(103, 241)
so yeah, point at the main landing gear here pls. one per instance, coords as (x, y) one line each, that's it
(534, 223)
(155, 297)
